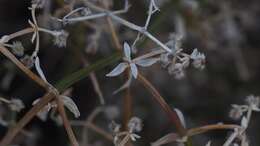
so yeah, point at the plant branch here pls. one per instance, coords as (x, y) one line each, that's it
(172, 115)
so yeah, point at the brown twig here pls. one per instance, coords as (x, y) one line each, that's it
(66, 122)
(172, 115)
(28, 72)
(114, 34)
(13, 131)
(206, 128)
(29, 115)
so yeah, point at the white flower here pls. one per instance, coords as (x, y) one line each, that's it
(17, 48)
(130, 63)
(253, 102)
(135, 124)
(111, 112)
(61, 37)
(237, 111)
(198, 59)
(176, 70)
(16, 105)
(114, 127)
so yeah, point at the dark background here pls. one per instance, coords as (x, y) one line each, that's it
(226, 31)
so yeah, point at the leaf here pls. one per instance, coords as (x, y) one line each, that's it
(147, 62)
(171, 137)
(84, 72)
(70, 104)
(38, 68)
(127, 51)
(134, 70)
(181, 117)
(117, 70)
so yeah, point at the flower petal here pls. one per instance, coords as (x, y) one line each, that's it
(38, 68)
(134, 70)
(181, 117)
(147, 62)
(117, 70)
(127, 51)
(244, 122)
(70, 104)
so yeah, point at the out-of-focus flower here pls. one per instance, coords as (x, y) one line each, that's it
(61, 38)
(198, 59)
(111, 112)
(176, 61)
(176, 70)
(237, 111)
(17, 48)
(135, 124)
(16, 105)
(253, 102)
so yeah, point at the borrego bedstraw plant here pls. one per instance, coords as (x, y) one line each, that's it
(170, 55)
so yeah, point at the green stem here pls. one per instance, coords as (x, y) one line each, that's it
(84, 72)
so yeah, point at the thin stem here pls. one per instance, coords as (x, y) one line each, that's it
(28, 72)
(66, 123)
(4, 100)
(94, 128)
(172, 115)
(114, 34)
(148, 55)
(7, 38)
(72, 12)
(13, 131)
(119, 20)
(203, 129)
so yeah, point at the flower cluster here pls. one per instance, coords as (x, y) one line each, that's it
(176, 61)
(121, 138)
(243, 112)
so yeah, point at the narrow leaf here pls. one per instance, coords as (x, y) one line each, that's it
(134, 70)
(181, 117)
(39, 70)
(70, 104)
(127, 51)
(146, 62)
(117, 70)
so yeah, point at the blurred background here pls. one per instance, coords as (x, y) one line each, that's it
(226, 31)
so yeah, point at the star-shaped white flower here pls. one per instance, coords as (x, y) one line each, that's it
(128, 62)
